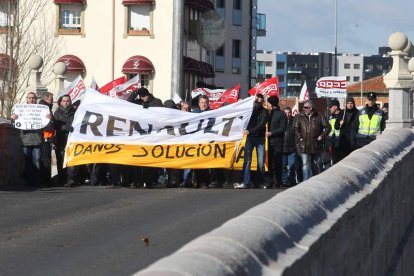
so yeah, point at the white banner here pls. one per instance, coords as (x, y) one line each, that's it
(212, 94)
(31, 116)
(75, 90)
(331, 87)
(103, 119)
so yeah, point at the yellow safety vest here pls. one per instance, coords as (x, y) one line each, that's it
(369, 127)
(333, 130)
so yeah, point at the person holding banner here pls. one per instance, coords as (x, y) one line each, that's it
(333, 137)
(256, 129)
(289, 151)
(63, 124)
(311, 129)
(346, 125)
(202, 175)
(277, 124)
(146, 99)
(32, 144)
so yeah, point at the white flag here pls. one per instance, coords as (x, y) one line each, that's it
(177, 99)
(304, 93)
(75, 89)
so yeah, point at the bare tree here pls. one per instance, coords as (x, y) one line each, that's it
(27, 29)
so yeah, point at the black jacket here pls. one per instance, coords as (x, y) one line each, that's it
(152, 101)
(257, 122)
(277, 125)
(63, 120)
(348, 129)
(289, 142)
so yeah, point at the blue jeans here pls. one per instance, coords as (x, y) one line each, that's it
(32, 157)
(311, 165)
(251, 143)
(288, 177)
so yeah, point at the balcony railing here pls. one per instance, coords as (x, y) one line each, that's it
(295, 70)
(294, 83)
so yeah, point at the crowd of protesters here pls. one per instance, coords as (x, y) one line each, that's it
(298, 147)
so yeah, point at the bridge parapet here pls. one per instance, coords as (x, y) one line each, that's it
(357, 218)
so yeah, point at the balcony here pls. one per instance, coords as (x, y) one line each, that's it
(294, 70)
(261, 24)
(294, 83)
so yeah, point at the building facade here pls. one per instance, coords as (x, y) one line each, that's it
(235, 61)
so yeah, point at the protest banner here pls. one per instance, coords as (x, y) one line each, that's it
(331, 87)
(31, 116)
(75, 90)
(267, 88)
(108, 130)
(218, 97)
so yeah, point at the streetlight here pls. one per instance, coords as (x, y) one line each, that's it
(362, 79)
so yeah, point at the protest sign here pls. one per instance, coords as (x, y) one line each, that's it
(31, 116)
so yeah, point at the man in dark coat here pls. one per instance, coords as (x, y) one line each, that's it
(311, 129)
(146, 99)
(289, 151)
(255, 132)
(345, 123)
(63, 120)
(277, 123)
(48, 137)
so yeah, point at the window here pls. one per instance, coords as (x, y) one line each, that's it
(71, 18)
(144, 79)
(357, 66)
(139, 19)
(260, 68)
(236, 57)
(219, 64)
(221, 8)
(348, 78)
(347, 66)
(237, 14)
(7, 12)
(269, 64)
(356, 78)
(281, 78)
(280, 65)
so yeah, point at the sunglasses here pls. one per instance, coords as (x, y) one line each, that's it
(306, 107)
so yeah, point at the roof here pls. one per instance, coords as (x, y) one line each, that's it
(375, 84)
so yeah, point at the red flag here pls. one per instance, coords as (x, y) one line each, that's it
(229, 96)
(111, 85)
(269, 87)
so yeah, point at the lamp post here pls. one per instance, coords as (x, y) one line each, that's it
(362, 79)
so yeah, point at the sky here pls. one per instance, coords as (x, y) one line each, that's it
(309, 25)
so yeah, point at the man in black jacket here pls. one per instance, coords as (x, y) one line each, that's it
(289, 151)
(255, 132)
(63, 119)
(48, 136)
(277, 124)
(346, 124)
(146, 99)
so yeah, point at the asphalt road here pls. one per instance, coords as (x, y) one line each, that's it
(99, 230)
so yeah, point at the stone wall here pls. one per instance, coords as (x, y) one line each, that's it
(357, 218)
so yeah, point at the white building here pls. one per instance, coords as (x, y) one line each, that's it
(350, 65)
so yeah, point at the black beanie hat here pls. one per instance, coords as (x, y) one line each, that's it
(273, 100)
(142, 92)
(350, 99)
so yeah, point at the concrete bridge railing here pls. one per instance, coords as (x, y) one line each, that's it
(357, 218)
